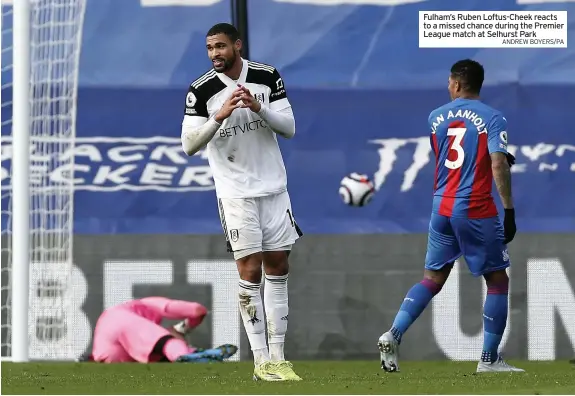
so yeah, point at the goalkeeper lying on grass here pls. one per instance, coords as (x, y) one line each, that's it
(131, 332)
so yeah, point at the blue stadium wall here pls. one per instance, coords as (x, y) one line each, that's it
(361, 90)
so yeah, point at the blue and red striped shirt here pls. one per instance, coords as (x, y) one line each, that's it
(464, 133)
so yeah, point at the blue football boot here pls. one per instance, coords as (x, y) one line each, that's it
(209, 355)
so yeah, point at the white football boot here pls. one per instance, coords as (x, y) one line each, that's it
(389, 352)
(499, 365)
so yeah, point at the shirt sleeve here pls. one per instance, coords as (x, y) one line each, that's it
(196, 105)
(193, 121)
(281, 122)
(173, 309)
(430, 129)
(278, 95)
(497, 134)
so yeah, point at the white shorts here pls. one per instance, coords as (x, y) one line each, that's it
(262, 223)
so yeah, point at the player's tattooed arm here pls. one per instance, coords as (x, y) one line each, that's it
(502, 176)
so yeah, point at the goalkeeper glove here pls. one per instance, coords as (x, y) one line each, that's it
(510, 159)
(509, 225)
(182, 327)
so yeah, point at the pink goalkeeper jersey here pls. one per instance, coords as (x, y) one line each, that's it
(128, 332)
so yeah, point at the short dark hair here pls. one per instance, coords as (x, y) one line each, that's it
(470, 74)
(224, 28)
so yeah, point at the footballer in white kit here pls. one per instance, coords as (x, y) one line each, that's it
(237, 110)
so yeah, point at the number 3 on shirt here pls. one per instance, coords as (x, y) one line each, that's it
(456, 145)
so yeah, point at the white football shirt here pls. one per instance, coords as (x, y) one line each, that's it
(244, 154)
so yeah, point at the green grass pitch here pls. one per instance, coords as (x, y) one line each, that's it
(337, 377)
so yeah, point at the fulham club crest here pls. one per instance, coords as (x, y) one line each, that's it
(234, 235)
(259, 97)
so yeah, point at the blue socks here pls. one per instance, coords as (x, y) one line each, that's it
(413, 305)
(494, 320)
(495, 313)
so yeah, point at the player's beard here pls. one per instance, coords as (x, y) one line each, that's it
(228, 63)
